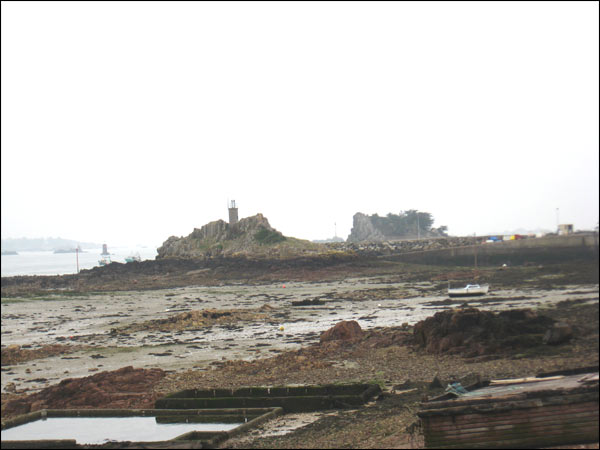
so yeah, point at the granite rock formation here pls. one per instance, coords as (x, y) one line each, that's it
(364, 230)
(251, 236)
(393, 227)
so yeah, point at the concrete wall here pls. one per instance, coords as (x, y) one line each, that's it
(551, 249)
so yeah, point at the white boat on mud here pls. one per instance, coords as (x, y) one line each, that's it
(469, 290)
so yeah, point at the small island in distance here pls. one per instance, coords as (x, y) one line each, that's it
(57, 245)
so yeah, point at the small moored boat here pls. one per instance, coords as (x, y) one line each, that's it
(105, 260)
(133, 258)
(469, 290)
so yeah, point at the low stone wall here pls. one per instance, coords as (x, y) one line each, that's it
(387, 248)
(291, 399)
(247, 417)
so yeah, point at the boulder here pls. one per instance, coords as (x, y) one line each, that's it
(559, 333)
(347, 330)
(436, 383)
(472, 332)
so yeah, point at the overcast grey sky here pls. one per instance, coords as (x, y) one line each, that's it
(129, 122)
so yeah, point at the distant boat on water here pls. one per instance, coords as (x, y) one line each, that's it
(45, 262)
(105, 260)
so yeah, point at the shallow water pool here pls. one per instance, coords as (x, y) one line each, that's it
(98, 430)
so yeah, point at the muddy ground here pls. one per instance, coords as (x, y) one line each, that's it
(265, 331)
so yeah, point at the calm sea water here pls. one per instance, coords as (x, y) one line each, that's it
(49, 263)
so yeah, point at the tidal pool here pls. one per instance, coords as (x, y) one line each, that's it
(99, 430)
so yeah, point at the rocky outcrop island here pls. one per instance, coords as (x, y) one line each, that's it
(251, 237)
(410, 224)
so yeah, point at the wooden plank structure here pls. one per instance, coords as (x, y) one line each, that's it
(521, 413)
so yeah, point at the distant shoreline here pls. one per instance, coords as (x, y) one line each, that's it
(44, 244)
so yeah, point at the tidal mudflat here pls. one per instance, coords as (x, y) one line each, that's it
(107, 331)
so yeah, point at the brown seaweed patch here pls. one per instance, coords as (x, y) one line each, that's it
(15, 354)
(198, 319)
(471, 332)
(373, 294)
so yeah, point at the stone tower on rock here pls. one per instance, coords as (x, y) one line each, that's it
(233, 213)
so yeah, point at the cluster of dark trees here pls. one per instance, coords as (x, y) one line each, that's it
(405, 223)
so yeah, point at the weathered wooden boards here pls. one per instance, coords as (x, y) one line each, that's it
(529, 413)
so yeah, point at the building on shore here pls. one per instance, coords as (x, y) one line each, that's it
(565, 229)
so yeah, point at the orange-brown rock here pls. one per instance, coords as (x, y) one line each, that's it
(127, 388)
(347, 330)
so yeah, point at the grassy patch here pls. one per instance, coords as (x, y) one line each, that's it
(31, 299)
(6, 301)
(55, 296)
(109, 351)
(267, 237)
(379, 379)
